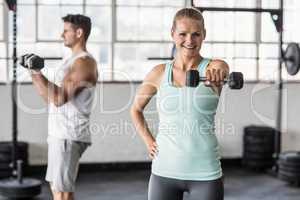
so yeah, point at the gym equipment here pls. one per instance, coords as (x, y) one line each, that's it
(258, 147)
(291, 58)
(17, 187)
(258, 164)
(235, 79)
(289, 167)
(6, 157)
(32, 61)
(20, 187)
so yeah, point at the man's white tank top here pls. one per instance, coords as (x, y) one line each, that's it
(71, 120)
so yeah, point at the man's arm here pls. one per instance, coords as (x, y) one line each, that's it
(83, 74)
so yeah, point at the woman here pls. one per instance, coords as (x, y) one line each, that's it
(185, 153)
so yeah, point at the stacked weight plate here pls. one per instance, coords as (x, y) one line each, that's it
(6, 157)
(258, 147)
(21, 187)
(289, 167)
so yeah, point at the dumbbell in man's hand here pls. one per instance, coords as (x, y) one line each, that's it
(32, 62)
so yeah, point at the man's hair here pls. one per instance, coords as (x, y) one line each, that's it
(79, 21)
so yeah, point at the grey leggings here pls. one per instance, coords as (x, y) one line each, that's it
(162, 188)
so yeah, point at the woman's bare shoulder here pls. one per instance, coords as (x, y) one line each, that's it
(155, 75)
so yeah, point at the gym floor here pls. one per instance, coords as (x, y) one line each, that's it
(240, 184)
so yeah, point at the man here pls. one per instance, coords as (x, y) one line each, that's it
(70, 99)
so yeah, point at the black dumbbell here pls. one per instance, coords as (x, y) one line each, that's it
(235, 79)
(32, 61)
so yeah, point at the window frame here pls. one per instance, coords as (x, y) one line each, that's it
(114, 40)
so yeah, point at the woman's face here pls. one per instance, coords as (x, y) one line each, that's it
(188, 36)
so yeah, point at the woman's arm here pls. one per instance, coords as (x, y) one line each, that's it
(144, 94)
(216, 72)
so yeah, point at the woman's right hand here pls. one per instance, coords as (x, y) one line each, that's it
(152, 148)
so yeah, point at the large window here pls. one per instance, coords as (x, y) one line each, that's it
(3, 48)
(249, 41)
(1, 22)
(142, 31)
(126, 33)
(40, 27)
(231, 36)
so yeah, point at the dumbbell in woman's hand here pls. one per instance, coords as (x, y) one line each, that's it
(234, 81)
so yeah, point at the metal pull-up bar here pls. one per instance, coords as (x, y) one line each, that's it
(276, 14)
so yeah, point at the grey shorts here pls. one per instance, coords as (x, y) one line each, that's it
(63, 163)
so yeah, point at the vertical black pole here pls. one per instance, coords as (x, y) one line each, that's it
(279, 105)
(14, 95)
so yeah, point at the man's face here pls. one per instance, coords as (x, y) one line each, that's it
(69, 35)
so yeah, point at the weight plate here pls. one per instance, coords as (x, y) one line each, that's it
(259, 148)
(7, 147)
(11, 188)
(290, 174)
(258, 156)
(5, 173)
(292, 58)
(290, 156)
(287, 178)
(5, 157)
(261, 140)
(289, 169)
(258, 130)
(5, 166)
(236, 80)
(258, 164)
(289, 164)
